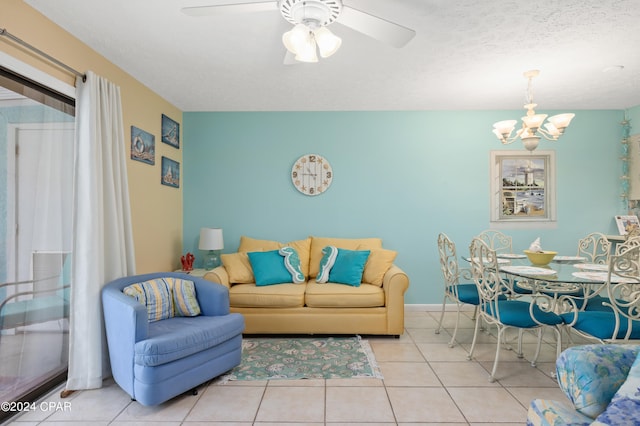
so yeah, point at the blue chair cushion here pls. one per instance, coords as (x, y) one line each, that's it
(601, 324)
(178, 337)
(467, 293)
(515, 313)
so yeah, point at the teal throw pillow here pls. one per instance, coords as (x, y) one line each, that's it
(348, 267)
(329, 254)
(268, 267)
(292, 263)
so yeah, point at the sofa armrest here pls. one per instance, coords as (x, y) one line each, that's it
(213, 298)
(218, 275)
(395, 283)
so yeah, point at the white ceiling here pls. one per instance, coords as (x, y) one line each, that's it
(467, 54)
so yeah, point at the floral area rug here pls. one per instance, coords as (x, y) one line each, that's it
(305, 358)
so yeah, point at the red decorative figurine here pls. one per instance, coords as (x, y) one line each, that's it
(187, 262)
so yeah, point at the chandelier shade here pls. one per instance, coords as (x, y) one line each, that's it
(533, 125)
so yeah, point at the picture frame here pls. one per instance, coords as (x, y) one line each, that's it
(626, 223)
(143, 146)
(170, 132)
(523, 189)
(170, 173)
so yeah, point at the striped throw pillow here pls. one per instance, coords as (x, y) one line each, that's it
(185, 303)
(155, 295)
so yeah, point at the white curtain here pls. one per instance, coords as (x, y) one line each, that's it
(102, 237)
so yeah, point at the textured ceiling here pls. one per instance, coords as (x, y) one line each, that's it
(467, 54)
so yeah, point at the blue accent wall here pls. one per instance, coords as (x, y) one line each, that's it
(400, 176)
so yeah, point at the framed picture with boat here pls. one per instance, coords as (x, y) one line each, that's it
(170, 132)
(523, 186)
(170, 173)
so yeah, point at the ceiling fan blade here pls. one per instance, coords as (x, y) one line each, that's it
(373, 26)
(224, 9)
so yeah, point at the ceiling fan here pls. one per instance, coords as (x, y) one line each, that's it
(310, 19)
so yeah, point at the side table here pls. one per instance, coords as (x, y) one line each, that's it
(199, 272)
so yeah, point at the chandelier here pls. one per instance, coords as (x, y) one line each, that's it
(310, 34)
(532, 129)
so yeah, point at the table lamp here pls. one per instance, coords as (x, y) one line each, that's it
(212, 242)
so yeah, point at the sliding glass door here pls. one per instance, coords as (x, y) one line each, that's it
(36, 166)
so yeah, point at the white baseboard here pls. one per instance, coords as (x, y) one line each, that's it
(419, 307)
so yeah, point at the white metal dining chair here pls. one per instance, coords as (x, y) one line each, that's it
(461, 294)
(496, 308)
(619, 319)
(496, 240)
(595, 248)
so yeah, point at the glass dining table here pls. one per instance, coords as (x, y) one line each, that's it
(564, 276)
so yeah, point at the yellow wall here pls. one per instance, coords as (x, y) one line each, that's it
(156, 209)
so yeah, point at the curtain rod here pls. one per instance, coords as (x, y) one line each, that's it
(4, 32)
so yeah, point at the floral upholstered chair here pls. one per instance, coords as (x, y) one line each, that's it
(602, 382)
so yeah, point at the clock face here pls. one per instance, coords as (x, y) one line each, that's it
(311, 174)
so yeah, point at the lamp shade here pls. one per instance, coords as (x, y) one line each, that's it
(211, 239)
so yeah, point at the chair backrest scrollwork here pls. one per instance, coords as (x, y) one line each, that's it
(623, 288)
(595, 248)
(496, 240)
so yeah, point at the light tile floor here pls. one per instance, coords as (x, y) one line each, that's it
(425, 383)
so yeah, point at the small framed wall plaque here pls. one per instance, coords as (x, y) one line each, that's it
(170, 172)
(143, 146)
(170, 132)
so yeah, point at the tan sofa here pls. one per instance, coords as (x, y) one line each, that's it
(376, 306)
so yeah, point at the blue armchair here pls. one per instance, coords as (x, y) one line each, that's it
(156, 361)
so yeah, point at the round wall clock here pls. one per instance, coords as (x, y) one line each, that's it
(311, 174)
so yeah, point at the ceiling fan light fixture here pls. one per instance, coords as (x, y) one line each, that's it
(307, 53)
(295, 39)
(328, 43)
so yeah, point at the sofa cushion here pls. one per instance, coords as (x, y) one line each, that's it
(545, 412)
(175, 338)
(378, 263)
(238, 267)
(268, 267)
(348, 267)
(332, 295)
(318, 243)
(624, 408)
(248, 244)
(272, 296)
